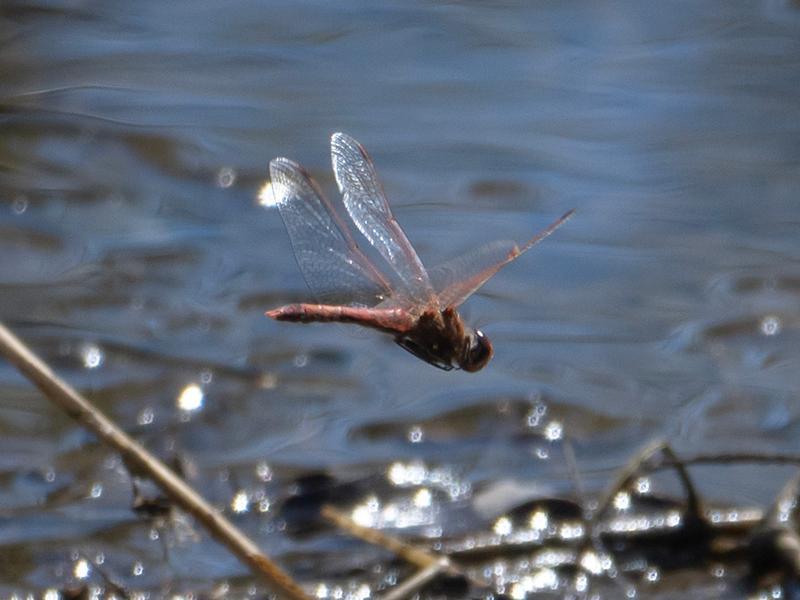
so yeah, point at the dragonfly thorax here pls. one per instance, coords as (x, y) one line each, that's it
(441, 339)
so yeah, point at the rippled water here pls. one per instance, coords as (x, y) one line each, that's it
(137, 261)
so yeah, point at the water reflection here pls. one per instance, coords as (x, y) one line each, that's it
(266, 196)
(240, 503)
(770, 325)
(226, 177)
(135, 261)
(81, 569)
(190, 398)
(19, 205)
(92, 356)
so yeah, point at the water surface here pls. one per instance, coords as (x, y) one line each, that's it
(136, 259)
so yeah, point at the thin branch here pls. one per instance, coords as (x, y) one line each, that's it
(776, 458)
(786, 540)
(626, 474)
(416, 582)
(694, 507)
(430, 563)
(416, 556)
(137, 457)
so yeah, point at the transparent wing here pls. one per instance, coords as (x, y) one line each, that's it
(331, 262)
(457, 279)
(367, 206)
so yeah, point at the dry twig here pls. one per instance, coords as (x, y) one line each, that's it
(430, 563)
(416, 582)
(416, 556)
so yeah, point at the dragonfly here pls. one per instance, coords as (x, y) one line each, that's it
(397, 295)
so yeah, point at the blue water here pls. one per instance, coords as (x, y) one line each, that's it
(136, 258)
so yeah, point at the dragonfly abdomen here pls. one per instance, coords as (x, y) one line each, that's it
(393, 320)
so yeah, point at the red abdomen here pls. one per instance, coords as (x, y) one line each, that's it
(393, 320)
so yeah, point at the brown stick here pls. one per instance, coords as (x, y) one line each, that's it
(635, 466)
(430, 563)
(776, 458)
(135, 455)
(416, 556)
(416, 582)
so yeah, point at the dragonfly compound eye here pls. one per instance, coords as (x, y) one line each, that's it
(478, 353)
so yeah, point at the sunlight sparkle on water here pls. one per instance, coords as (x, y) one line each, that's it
(581, 582)
(622, 501)
(518, 591)
(263, 471)
(240, 502)
(413, 473)
(96, 491)
(653, 575)
(503, 526)
(535, 416)
(423, 498)
(190, 398)
(591, 562)
(226, 177)
(92, 356)
(539, 520)
(554, 431)
(770, 325)
(673, 518)
(391, 512)
(146, 416)
(543, 579)
(20, 205)
(266, 197)
(366, 514)
(81, 569)
(570, 531)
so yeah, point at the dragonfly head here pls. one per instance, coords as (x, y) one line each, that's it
(477, 351)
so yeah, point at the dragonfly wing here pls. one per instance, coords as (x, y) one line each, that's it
(331, 262)
(459, 278)
(367, 206)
